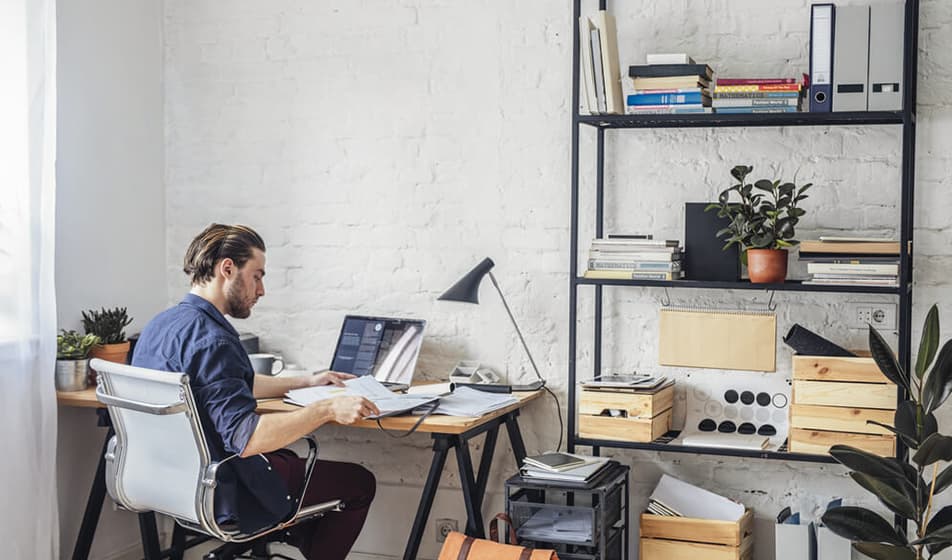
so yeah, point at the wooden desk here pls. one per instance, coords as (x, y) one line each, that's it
(448, 432)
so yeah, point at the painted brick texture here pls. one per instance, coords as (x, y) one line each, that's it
(383, 148)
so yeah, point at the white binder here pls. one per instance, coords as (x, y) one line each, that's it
(886, 32)
(850, 58)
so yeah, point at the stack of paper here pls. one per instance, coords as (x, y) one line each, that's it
(555, 525)
(676, 497)
(470, 402)
(591, 467)
(388, 402)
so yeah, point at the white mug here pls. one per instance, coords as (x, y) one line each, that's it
(264, 363)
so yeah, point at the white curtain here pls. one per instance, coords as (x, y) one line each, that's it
(29, 526)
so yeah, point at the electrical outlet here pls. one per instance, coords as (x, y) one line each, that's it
(444, 527)
(880, 315)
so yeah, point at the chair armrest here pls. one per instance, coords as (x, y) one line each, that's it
(139, 406)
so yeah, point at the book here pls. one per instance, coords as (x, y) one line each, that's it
(721, 102)
(631, 275)
(856, 248)
(765, 87)
(851, 282)
(754, 81)
(556, 462)
(670, 82)
(611, 73)
(590, 470)
(860, 269)
(667, 70)
(743, 110)
(628, 256)
(596, 40)
(668, 99)
(703, 91)
(587, 67)
(667, 109)
(756, 95)
(669, 58)
(847, 259)
(605, 264)
(624, 381)
(635, 240)
(842, 239)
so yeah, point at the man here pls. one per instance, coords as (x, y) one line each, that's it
(259, 487)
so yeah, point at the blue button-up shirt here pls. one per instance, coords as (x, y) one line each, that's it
(194, 338)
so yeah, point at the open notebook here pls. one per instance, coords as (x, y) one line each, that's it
(389, 403)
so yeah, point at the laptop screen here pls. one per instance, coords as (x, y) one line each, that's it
(383, 347)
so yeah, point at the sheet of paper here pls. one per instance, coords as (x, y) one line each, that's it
(691, 501)
(366, 386)
(465, 401)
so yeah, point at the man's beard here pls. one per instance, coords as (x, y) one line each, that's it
(235, 306)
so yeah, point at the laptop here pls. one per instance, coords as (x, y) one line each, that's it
(383, 347)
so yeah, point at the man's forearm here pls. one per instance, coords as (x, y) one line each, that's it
(275, 431)
(267, 387)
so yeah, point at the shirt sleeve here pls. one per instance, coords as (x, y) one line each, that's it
(223, 391)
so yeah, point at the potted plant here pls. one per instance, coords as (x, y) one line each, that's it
(72, 363)
(908, 490)
(762, 222)
(108, 325)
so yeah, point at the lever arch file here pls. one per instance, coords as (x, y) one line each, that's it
(743, 340)
(885, 57)
(850, 58)
(821, 58)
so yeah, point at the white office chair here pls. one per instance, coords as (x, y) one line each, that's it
(159, 460)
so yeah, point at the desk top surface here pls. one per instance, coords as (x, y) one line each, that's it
(438, 423)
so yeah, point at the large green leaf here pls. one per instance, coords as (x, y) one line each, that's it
(930, 341)
(907, 417)
(878, 551)
(910, 442)
(942, 518)
(861, 524)
(944, 480)
(936, 447)
(938, 384)
(894, 493)
(939, 536)
(886, 360)
(867, 463)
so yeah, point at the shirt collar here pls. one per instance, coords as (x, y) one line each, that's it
(210, 310)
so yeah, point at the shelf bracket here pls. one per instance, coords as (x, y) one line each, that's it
(667, 298)
(770, 304)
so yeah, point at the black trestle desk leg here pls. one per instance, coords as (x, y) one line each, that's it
(97, 493)
(474, 515)
(178, 543)
(441, 446)
(485, 463)
(515, 437)
(150, 536)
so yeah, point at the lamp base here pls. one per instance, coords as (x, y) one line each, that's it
(532, 386)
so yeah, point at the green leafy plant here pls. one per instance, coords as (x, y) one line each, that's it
(107, 324)
(70, 345)
(766, 214)
(901, 486)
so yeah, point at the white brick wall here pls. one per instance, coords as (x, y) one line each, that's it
(382, 148)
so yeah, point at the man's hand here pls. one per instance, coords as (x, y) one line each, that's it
(329, 378)
(347, 410)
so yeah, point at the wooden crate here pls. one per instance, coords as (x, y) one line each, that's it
(683, 538)
(832, 398)
(645, 417)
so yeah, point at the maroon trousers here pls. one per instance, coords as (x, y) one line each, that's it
(329, 537)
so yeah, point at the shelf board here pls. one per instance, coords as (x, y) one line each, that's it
(859, 118)
(789, 285)
(662, 445)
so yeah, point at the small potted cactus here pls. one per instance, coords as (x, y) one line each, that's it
(72, 363)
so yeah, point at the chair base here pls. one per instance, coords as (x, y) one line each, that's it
(252, 550)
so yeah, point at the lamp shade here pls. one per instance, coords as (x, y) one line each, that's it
(467, 288)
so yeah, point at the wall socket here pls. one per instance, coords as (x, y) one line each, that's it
(444, 527)
(880, 315)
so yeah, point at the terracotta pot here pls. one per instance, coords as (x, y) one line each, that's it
(767, 266)
(109, 352)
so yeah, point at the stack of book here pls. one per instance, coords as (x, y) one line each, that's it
(634, 258)
(670, 83)
(851, 261)
(757, 95)
(563, 467)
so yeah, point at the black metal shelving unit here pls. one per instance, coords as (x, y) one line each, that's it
(906, 119)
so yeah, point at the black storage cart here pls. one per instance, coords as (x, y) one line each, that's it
(580, 522)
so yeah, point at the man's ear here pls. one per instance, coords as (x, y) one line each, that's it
(227, 268)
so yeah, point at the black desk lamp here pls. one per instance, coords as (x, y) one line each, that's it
(467, 290)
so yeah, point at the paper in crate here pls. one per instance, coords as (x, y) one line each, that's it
(833, 400)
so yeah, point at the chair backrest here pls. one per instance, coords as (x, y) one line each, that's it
(160, 454)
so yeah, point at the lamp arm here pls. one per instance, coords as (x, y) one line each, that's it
(514, 324)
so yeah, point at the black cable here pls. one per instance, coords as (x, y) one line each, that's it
(558, 408)
(430, 409)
